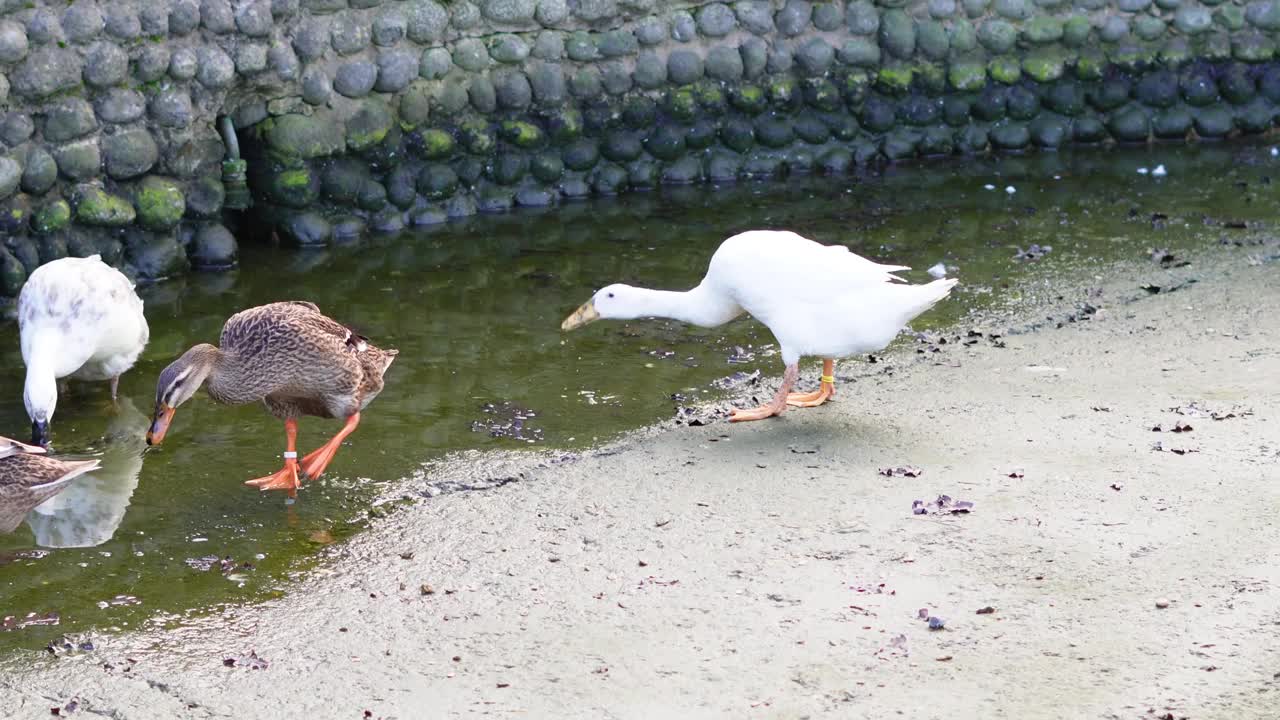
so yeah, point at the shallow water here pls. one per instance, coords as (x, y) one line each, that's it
(475, 308)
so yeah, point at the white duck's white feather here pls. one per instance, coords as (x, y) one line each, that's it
(79, 317)
(818, 300)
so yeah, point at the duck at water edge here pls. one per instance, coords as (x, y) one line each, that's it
(77, 318)
(293, 359)
(817, 300)
(28, 477)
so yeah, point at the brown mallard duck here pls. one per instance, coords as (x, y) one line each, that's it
(28, 477)
(294, 359)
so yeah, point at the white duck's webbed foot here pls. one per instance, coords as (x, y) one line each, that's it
(777, 406)
(826, 389)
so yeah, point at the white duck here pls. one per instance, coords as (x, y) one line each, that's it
(816, 299)
(80, 318)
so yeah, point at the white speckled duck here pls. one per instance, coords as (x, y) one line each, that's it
(78, 318)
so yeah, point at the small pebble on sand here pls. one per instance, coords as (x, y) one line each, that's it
(1162, 603)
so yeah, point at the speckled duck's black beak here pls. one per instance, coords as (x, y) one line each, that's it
(40, 433)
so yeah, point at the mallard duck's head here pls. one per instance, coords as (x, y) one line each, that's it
(177, 384)
(614, 302)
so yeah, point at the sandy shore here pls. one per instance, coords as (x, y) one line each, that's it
(770, 570)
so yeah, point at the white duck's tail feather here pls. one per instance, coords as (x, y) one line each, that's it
(926, 296)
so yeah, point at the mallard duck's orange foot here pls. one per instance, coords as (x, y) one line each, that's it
(759, 413)
(812, 399)
(315, 463)
(284, 479)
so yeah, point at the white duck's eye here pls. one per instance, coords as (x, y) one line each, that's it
(610, 294)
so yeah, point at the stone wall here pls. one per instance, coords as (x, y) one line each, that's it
(366, 115)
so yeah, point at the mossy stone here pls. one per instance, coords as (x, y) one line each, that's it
(920, 111)
(294, 188)
(341, 181)
(581, 154)
(1075, 31)
(1215, 46)
(782, 93)
(402, 188)
(774, 131)
(1091, 64)
(811, 130)
(937, 141)
(371, 196)
(737, 134)
(897, 33)
(901, 144)
(992, 104)
(759, 165)
(609, 179)
(895, 80)
(622, 146)
(433, 143)
(822, 94)
(997, 36)
(1088, 129)
(1175, 53)
(368, 126)
(1229, 17)
(1043, 30)
(1130, 124)
(681, 104)
(493, 199)
(95, 206)
(931, 78)
(51, 217)
(1065, 98)
(701, 135)
(1171, 124)
(932, 40)
(640, 113)
(1237, 84)
(1044, 66)
(1148, 28)
(967, 76)
(723, 167)
(1109, 94)
(509, 168)
(12, 274)
(1198, 87)
(564, 125)
(52, 247)
(476, 136)
(40, 173)
(524, 135)
(855, 85)
(437, 181)
(748, 99)
(159, 202)
(877, 115)
(665, 142)
(711, 98)
(1256, 117)
(205, 196)
(1269, 84)
(1009, 135)
(1005, 70)
(843, 127)
(835, 161)
(1049, 130)
(859, 52)
(684, 171)
(1132, 57)
(1213, 122)
(956, 109)
(303, 136)
(643, 174)
(1157, 89)
(306, 229)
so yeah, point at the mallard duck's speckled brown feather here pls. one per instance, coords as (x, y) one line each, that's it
(28, 477)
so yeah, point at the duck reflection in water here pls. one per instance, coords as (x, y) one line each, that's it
(88, 512)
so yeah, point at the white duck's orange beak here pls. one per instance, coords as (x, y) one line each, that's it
(583, 315)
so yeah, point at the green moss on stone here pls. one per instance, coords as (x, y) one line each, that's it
(1175, 53)
(292, 188)
(931, 77)
(1091, 65)
(564, 125)
(159, 202)
(967, 76)
(749, 99)
(1005, 70)
(368, 126)
(1132, 57)
(522, 134)
(782, 91)
(1044, 66)
(895, 80)
(51, 217)
(303, 136)
(95, 206)
(710, 97)
(682, 105)
(856, 85)
(436, 144)
(1075, 31)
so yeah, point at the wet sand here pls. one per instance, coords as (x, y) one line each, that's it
(771, 570)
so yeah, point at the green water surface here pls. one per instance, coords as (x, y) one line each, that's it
(474, 308)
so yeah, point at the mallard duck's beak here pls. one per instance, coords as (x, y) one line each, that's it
(160, 423)
(583, 315)
(40, 433)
